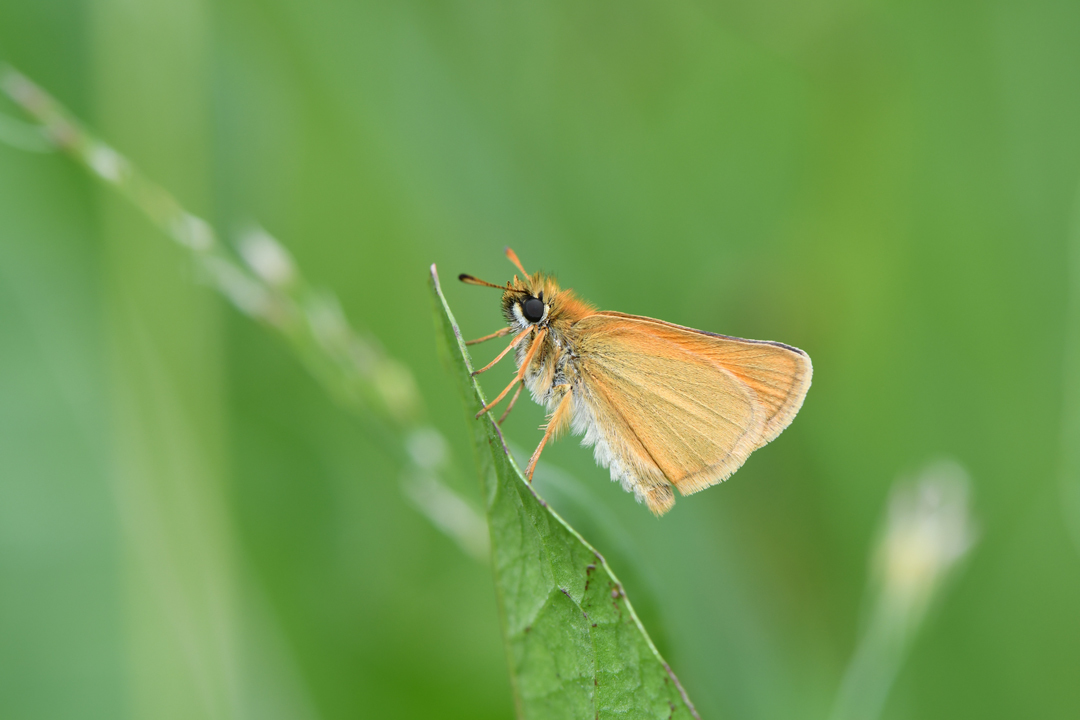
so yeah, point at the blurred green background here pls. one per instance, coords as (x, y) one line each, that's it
(190, 528)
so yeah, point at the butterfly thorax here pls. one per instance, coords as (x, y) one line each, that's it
(552, 363)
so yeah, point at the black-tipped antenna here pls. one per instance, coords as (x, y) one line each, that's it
(470, 280)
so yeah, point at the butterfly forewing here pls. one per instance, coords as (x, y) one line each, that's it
(688, 404)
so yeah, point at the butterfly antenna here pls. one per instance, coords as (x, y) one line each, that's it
(470, 280)
(514, 259)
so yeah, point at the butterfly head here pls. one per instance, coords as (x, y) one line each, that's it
(533, 300)
(530, 301)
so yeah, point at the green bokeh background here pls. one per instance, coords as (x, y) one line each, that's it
(190, 528)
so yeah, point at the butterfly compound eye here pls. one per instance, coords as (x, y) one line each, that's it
(533, 309)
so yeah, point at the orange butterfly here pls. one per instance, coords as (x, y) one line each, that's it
(662, 405)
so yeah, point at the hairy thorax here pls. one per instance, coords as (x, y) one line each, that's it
(552, 371)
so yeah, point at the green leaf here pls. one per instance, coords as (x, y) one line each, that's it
(576, 648)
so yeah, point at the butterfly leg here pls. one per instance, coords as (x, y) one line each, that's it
(511, 405)
(513, 344)
(497, 334)
(520, 377)
(556, 424)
